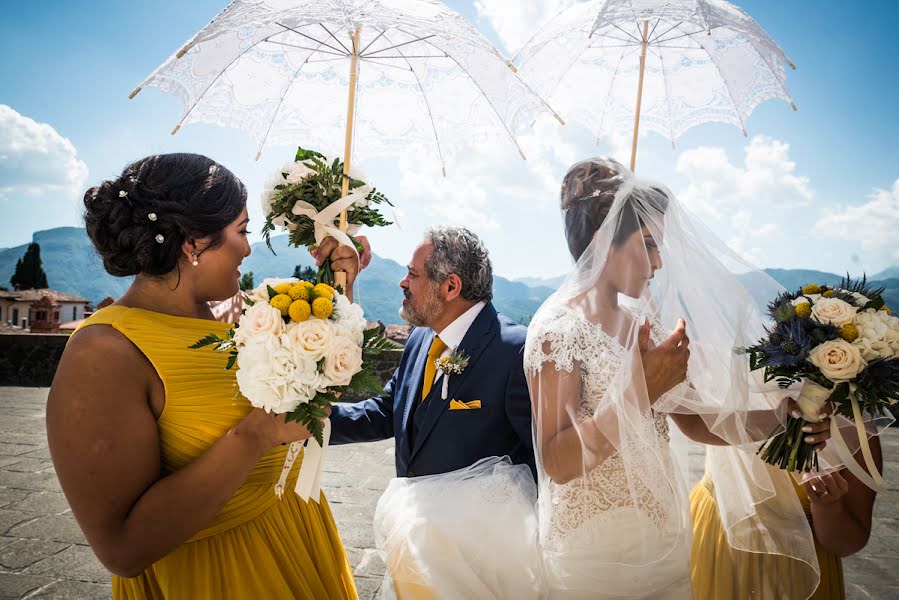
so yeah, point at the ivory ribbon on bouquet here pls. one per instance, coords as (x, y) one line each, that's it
(873, 479)
(308, 486)
(324, 219)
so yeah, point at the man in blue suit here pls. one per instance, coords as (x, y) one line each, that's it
(486, 410)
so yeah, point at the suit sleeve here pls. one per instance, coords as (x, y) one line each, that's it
(366, 421)
(518, 403)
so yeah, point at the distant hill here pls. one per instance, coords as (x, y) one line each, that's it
(891, 273)
(792, 279)
(73, 266)
(551, 282)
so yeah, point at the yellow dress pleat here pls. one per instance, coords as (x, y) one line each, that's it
(717, 576)
(257, 547)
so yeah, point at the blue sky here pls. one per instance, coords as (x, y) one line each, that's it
(817, 188)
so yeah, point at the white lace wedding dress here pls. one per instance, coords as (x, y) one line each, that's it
(620, 530)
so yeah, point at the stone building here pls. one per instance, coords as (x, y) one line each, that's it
(16, 306)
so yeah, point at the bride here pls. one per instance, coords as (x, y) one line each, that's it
(605, 378)
(612, 514)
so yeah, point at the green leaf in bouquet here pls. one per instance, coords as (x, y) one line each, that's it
(210, 339)
(271, 292)
(366, 382)
(247, 300)
(232, 358)
(303, 154)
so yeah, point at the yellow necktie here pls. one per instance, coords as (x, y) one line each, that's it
(437, 348)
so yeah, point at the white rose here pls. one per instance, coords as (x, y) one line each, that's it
(266, 374)
(311, 339)
(351, 320)
(834, 310)
(297, 172)
(858, 299)
(261, 319)
(343, 361)
(838, 360)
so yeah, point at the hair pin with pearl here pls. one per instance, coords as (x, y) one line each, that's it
(152, 216)
(160, 238)
(123, 194)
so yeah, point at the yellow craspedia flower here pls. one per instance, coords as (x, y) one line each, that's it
(804, 310)
(323, 290)
(298, 292)
(322, 308)
(811, 289)
(282, 288)
(849, 332)
(828, 294)
(281, 302)
(300, 310)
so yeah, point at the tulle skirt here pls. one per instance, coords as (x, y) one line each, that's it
(471, 533)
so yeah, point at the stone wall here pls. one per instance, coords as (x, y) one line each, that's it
(28, 359)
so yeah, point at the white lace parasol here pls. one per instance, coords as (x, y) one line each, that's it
(418, 77)
(666, 65)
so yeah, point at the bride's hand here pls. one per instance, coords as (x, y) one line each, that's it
(665, 365)
(815, 433)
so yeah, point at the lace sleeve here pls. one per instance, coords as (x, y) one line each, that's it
(554, 338)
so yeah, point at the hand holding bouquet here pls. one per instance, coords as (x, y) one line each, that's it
(298, 346)
(842, 342)
(305, 198)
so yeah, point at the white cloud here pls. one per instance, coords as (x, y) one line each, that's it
(515, 21)
(873, 224)
(767, 177)
(746, 237)
(36, 159)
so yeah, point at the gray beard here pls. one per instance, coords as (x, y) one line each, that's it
(420, 318)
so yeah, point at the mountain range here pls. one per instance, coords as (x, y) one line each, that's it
(72, 266)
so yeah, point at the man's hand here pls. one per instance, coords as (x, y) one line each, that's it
(343, 258)
(665, 365)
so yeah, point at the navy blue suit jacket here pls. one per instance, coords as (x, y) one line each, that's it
(450, 439)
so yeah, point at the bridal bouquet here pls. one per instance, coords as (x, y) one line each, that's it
(842, 342)
(298, 346)
(304, 198)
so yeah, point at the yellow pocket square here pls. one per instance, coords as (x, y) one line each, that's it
(459, 405)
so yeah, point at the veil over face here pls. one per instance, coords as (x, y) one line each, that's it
(613, 506)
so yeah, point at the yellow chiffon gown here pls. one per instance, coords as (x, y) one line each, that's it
(716, 577)
(257, 547)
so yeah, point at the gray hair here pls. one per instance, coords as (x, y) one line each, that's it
(458, 250)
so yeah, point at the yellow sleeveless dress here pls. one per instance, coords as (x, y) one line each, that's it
(716, 577)
(257, 547)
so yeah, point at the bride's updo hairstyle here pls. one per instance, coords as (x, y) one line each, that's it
(139, 221)
(588, 193)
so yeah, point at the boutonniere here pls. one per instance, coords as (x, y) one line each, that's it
(454, 364)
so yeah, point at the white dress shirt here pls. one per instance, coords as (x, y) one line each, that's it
(453, 334)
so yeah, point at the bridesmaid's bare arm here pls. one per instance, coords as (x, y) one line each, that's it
(105, 447)
(842, 517)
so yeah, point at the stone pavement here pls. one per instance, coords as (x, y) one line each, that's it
(43, 554)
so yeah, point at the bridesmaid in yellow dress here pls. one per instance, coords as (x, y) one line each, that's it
(168, 470)
(839, 510)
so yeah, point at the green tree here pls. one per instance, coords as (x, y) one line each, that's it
(305, 273)
(246, 281)
(29, 274)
